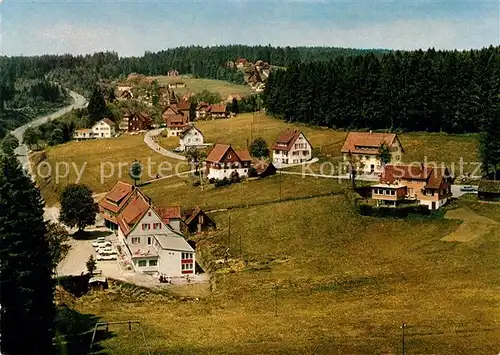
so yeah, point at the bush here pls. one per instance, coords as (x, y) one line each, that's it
(234, 177)
(394, 212)
(252, 172)
(211, 181)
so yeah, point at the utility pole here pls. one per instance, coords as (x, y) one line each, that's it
(403, 327)
(276, 300)
(280, 185)
(229, 227)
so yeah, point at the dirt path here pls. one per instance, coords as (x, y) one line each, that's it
(473, 227)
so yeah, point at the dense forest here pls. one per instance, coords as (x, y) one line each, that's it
(81, 72)
(448, 91)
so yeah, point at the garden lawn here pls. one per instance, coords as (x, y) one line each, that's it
(100, 160)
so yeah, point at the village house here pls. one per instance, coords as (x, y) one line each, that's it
(202, 110)
(82, 134)
(104, 129)
(173, 72)
(177, 84)
(175, 124)
(218, 111)
(291, 147)
(191, 137)
(133, 122)
(170, 110)
(488, 190)
(197, 221)
(223, 160)
(184, 108)
(425, 185)
(263, 169)
(149, 236)
(240, 62)
(126, 95)
(231, 97)
(363, 149)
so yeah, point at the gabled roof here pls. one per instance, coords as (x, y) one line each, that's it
(219, 150)
(202, 105)
(189, 128)
(176, 120)
(168, 213)
(133, 212)
(184, 105)
(234, 96)
(489, 186)
(286, 139)
(190, 214)
(434, 177)
(367, 142)
(172, 107)
(221, 108)
(108, 121)
(117, 197)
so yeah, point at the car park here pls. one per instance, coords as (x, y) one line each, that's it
(98, 242)
(108, 250)
(106, 244)
(105, 257)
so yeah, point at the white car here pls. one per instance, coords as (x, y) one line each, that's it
(98, 242)
(108, 250)
(103, 246)
(106, 257)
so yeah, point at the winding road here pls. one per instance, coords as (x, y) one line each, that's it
(22, 151)
(149, 140)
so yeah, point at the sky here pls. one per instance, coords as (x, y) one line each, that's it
(131, 27)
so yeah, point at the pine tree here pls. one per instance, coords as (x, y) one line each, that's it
(27, 289)
(97, 106)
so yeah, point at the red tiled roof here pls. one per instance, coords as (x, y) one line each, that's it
(244, 155)
(168, 213)
(202, 105)
(117, 197)
(217, 152)
(184, 105)
(218, 108)
(366, 142)
(173, 107)
(108, 121)
(133, 212)
(435, 178)
(176, 120)
(288, 138)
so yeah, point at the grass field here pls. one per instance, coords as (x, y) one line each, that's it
(327, 143)
(320, 279)
(196, 85)
(100, 160)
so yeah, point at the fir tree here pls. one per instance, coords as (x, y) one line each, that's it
(78, 208)
(27, 290)
(97, 106)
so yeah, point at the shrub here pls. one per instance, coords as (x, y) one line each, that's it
(211, 181)
(394, 212)
(235, 177)
(252, 172)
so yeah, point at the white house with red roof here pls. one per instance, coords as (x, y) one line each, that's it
(104, 129)
(291, 147)
(191, 137)
(363, 149)
(223, 160)
(149, 236)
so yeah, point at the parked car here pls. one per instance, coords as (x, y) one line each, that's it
(468, 188)
(101, 257)
(106, 244)
(107, 250)
(98, 241)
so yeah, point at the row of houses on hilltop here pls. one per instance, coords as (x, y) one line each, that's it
(152, 237)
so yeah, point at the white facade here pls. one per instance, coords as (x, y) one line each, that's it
(102, 129)
(155, 247)
(299, 152)
(191, 138)
(437, 203)
(81, 134)
(225, 172)
(371, 163)
(174, 131)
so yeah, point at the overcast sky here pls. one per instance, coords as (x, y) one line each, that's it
(131, 27)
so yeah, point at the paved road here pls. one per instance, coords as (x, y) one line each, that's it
(148, 139)
(22, 151)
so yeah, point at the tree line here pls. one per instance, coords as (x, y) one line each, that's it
(436, 91)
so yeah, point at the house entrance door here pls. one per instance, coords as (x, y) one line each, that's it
(433, 205)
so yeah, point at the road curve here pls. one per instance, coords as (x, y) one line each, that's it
(22, 151)
(148, 139)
